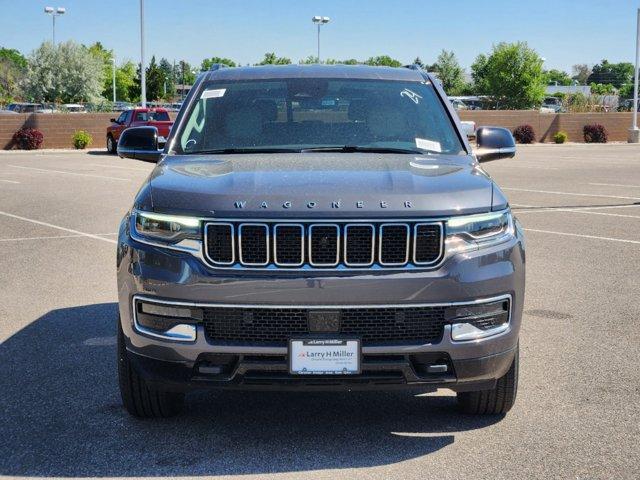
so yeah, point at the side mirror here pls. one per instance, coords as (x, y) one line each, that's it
(140, 143)
(494, 143)
(113, 120)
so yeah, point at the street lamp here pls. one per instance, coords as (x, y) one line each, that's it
(113, 70)
(54, 12)
(634, 132)
(143, 73)
(318, 20)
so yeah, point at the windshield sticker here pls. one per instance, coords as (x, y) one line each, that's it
(431, 145)
(411, 95)
(213, 93)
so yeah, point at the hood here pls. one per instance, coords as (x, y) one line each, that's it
(307, 185)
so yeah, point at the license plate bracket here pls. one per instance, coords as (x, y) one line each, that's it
(323, 356)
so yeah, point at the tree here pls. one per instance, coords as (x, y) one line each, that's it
(513, 73)
(383, 60)
(271, 59)
(310, 60)
(602, 89)
(350, 61)
(617, 74)
(106, 58)
(207, 62)
(557, 77)
(65, 73)
(13, 67)
(449, 72)
(581, 72)
(184, 73)
(155, 80)
(418, 61)
(169, 82)
(126, 82)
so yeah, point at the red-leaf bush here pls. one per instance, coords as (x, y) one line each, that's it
(28, 138)
(595, 133)
(524, 134)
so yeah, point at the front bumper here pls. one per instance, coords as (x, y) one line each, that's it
(156, 273)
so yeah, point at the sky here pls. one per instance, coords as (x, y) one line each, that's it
(563, 32)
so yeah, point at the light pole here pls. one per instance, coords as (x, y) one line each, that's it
(54, 12)
(318, 20)
(634, 132)
(143, 74)
(114, 78)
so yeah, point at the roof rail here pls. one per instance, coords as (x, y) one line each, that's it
(217, 66)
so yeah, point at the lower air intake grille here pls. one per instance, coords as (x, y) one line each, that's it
(373, 325)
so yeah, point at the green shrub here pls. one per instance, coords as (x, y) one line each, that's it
(560, 137)
(82, 139)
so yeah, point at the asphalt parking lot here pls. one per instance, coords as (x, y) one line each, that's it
(576, 416)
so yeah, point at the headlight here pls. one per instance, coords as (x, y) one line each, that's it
(471, 232)
(166, 229)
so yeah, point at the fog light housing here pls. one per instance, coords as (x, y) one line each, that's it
(168, 322)
(476, 321)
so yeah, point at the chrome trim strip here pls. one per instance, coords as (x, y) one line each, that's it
(266, 227)
(373, 244)
(496, 298)
(275, 244)
(176, 336)
(309, 235)
(233, 243)
(380, 236)
(415, 243)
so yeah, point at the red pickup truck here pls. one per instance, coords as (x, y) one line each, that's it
(139, 117)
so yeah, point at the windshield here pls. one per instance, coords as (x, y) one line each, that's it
(300, 114)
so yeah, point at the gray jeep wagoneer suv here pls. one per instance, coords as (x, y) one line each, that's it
(318, 227)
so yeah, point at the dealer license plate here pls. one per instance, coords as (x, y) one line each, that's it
(324, 357)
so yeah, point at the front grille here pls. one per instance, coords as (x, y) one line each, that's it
(323, 244)
(374, 325)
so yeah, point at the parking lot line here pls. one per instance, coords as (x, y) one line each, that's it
(50, 237)
(576, 210)
(58, 227)
(46, 170)
(574, 194)
(610, 239)
(8, 181)
(119, 166)
(614, 185)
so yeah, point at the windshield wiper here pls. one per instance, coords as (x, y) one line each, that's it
(356, 148)
(245, 150)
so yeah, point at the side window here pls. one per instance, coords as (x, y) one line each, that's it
(127, 116)
(121, 118)
(141, 117)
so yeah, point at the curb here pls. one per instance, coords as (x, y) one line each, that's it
(51, 151)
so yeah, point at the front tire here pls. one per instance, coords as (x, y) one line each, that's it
(497, 401)
(111, 145)
(138, 398)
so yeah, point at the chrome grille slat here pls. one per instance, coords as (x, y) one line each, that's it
(318, 245)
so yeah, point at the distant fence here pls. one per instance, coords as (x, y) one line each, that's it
(547, 124)
(58, 128)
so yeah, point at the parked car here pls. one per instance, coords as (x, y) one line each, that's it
(122, 106)
(73, 108)
(552, 105)
(25, 107)
(626, 105)
(458, 104)
(282, 244)
(138, 117)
